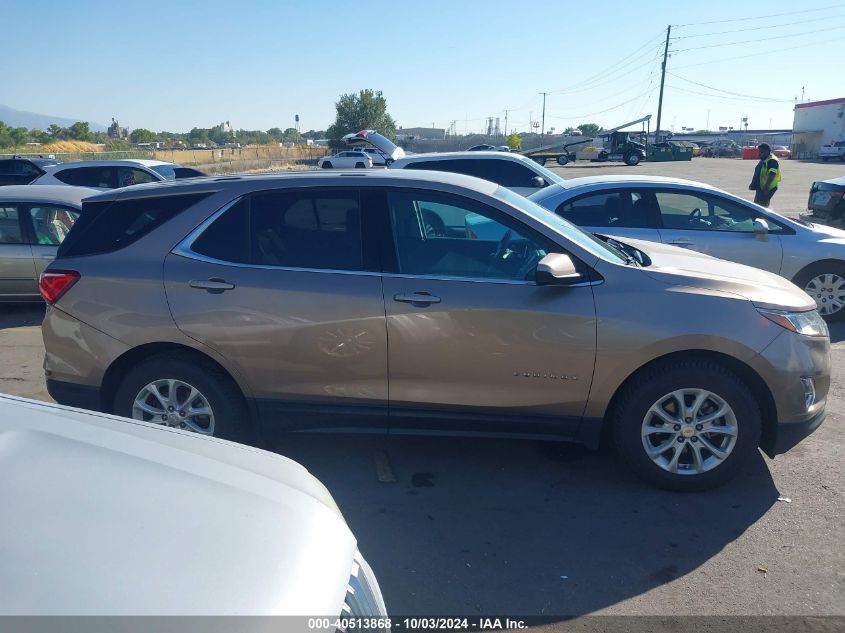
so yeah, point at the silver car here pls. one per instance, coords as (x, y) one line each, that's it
(108, 516)
(33, 222)
(113, 174)
(702, 218)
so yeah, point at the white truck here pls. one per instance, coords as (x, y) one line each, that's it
(833, 150)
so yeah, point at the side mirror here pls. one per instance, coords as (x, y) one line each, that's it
(761, 229)
(556, 269)
(538, 182)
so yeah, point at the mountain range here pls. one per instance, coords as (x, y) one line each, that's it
(29, 120)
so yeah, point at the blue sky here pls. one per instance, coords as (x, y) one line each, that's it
(183, 63)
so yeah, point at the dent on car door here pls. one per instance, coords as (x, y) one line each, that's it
(280, 285)
(618, 212)
(473, 340)
(719, 227)
(17, 271)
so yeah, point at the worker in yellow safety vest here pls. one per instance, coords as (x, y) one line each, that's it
(766, 178)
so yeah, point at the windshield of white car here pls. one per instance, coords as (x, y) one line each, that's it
(166, 171)
(582, 238)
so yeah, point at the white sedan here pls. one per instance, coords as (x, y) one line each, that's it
(346, 160)
(113, 174)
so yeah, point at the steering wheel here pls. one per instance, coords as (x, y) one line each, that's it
(502, 248)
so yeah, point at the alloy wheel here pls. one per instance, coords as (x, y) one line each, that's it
(174, 403)
(829, 292)
(689, 431)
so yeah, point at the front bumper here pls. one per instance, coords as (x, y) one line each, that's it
(786, 435)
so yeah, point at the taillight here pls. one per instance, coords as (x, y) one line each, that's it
(54, 283)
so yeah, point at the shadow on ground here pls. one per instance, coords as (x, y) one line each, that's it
(21, 315)
(519, 527)
(837, 332)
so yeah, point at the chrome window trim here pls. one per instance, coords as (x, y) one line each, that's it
(507, 282)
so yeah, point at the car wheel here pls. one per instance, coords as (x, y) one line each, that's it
(826, 284)
(359, 165)
(602, 156)
(562, 160)
(540, 161)
(632, 159)
(326, 165)
(686, 425)
(175, 390)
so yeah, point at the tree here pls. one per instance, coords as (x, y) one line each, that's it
(290, 135)
(79, 131)
(275, 133)
(141, 135)
(590, 129)
(18, 136)
(513, 141)
(569, 130)
(39, 136)
(57, 133)
(366, 110)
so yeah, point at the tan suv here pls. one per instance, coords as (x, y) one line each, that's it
(415, 301)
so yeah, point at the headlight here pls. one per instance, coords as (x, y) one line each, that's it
(807, 323)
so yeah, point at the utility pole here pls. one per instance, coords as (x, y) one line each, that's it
(543, 132)
(506, 122)
(662, 80)
(802, 94)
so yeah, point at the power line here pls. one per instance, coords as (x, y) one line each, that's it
(763, 39)
(768, 52)
(758, 17)
(725, 97)
(753, 28)
(728, 92)
(619, 105)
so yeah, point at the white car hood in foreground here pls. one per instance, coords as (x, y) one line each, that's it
(680, 266)
(107, 516)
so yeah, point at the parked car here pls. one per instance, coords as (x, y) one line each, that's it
(782, 151)
(833, 150)
(827, 202)
(722, 148)
(266, 303)
(20, 170)
(33, 222)
(696, 148)
(346, 160)
(484, 147)
(113, 174)
(376, 156)
(702, 218)
(96, 507)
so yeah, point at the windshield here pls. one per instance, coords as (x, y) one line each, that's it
(168, 172)
(582, 238)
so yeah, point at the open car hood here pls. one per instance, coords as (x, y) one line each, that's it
(373, 138)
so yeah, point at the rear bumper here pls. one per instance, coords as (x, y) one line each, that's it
(788, 434)
(75, 395)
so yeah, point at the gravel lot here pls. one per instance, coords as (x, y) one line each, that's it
(525, 528)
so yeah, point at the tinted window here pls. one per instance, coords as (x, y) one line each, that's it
(227, 238)
(7, 167)
(617, 208)
(303, 229)
(440, 235)
(295, 229)
(128, 176)
(52, 224)
(103, 177)
(10, 226)
(111, 225)
(507, 173)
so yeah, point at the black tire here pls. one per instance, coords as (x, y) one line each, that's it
(562, 160)
(814, 270)
(652, 384)
(231, 415)
(539, 160)
(359, 165)
(632, 159)
(602, 157)
(327, 164)
(824, 159)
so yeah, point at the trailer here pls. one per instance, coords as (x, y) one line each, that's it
(614, 145)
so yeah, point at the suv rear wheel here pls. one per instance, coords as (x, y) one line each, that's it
(180, 391)
(687, 425)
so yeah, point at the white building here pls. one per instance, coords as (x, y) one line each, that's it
(817, 123)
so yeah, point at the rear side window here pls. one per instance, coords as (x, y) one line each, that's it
(108, 226)
(10, 226)
(294, 229)
(102, 177)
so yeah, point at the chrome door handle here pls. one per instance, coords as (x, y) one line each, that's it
(417, 297)
(215, 284)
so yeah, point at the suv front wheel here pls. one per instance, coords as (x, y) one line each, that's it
(687, 425)
(182, 391)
